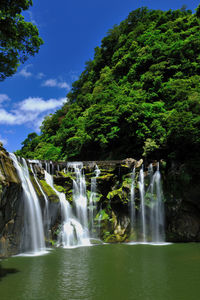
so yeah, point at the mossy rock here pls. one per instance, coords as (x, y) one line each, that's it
(69, 175)
(96, 242)
(115, 238)
(60, 188)
(126, 184)
(7, 169)
(105, 177)
(105, 183)
(106, 171)
(69, 196)
(97, 197)
(36, 187)
(51, 194)
(124, 170)
(118, 196)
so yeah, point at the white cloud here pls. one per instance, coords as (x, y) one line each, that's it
(50, 82)
(30, 111)
(40, 105)
(64, 85)
(24, 72)
(56, 83)
(16, 117)
(6, 117)
(3, 98)
(4, 141)
(40, 75)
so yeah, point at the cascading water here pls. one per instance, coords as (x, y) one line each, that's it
(33, 233)
(157, 209)
(79, 193)
(46, 208)
(132, 202)
(72, 232)
(142, 205)
(147, 224)
(79, 197)
(151, 214)
(92, 201)
(151, 194)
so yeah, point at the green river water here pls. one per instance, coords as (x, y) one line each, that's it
(104, 272)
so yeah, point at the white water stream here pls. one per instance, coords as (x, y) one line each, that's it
(92, 202)
(46, 208)
(72, 233)
(33, 233)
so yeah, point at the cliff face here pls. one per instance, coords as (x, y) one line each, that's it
(10, 201)
(181, 192)
(181, 183)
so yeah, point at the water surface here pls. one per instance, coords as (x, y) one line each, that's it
(105, 272)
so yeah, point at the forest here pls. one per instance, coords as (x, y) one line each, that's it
(138, 97)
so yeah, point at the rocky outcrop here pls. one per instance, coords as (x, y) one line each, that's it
(181, 189)
(10, 196)
(181, 184)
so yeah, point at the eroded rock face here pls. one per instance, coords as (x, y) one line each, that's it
(181, 185)
(10, 195)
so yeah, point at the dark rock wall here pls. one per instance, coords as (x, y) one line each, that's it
(181, 184)
(10, 202)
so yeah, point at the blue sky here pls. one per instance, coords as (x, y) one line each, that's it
(70, 30)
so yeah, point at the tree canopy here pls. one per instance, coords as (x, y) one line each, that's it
(140, 95)
(18, 39)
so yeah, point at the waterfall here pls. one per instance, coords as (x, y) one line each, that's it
(157, 208)
(150, 191)
(92, 200)
(142, 204)
(79, 193)
(99, 221)
(151, 207)
(46, 208)
(72, 232)
(33, 234)
(132, 202)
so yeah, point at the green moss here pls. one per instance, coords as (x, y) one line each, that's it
(124, 169)
(118, 195)
(51, 194)
(96, 198)
(114, 238)
(69, 196)
(109, 170)
(69, 175)
(60, 188)
(102, 215)
(126, 184)
(105, 177)
(35, 185)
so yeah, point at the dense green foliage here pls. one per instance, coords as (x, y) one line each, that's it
(18, 39)
(140, 95)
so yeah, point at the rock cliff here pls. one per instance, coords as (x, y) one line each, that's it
(181, 190)
(10, 201)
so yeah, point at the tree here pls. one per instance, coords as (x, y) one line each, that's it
(198, 11)
(140, 95)
(18, 39)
